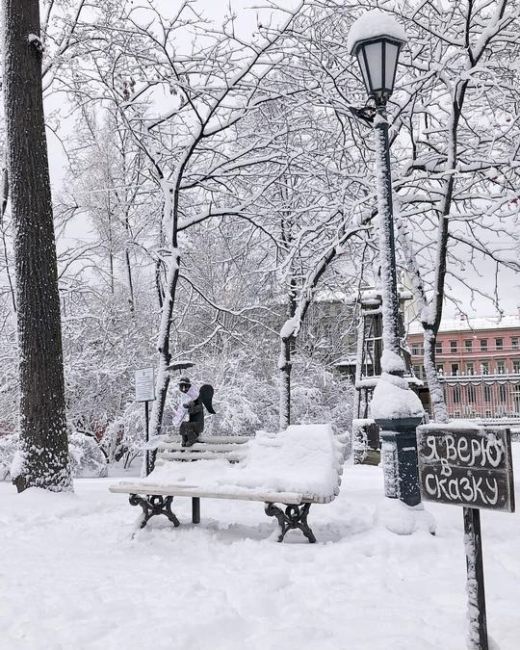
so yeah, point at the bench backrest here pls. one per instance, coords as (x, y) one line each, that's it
(231, 448)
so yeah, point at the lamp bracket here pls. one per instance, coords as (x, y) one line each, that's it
(366, 114)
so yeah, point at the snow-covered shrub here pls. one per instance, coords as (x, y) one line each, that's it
(319, 396)
(245, 406)
(102, 349)
(86, 458)
(125, 436)
(7, 450)
(359, 440)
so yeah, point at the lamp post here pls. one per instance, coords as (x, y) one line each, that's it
(376, 40)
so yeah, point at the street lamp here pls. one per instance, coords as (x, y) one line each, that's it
(377, 57)
(376, 39)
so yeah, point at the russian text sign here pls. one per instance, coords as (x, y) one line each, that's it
(144, 385)
(468, 467)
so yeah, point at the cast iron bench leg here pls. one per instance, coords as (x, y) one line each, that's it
(293, 517)
(154, 504)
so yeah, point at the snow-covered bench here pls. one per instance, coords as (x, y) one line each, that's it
(297, 468)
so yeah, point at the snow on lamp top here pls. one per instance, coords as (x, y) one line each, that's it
(374, 24)
(376, 38)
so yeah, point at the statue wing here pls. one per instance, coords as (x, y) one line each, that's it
(206, 397)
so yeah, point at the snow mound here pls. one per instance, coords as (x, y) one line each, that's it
(393, 399)
(304, 458)
(401, 519)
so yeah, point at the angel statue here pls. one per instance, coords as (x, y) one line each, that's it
(189, 416)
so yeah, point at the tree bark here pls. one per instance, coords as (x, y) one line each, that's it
(285, 367)
(43, 453)
(287, 348)
(5, 199)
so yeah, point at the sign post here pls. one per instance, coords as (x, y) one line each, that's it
(471, 467)
(145, 392)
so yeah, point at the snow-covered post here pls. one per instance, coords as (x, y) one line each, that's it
(287, 337)
(375, 39)
(390, 299)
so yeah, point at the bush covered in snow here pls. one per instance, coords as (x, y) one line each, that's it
(7, 451)
(86, 457)
(125, 436)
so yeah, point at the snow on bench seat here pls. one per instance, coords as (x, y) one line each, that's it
(301, 465)
(240, 494)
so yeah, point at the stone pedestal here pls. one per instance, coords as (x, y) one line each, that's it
(399, 459)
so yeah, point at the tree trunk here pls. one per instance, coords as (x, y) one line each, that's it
(5, 198)
(163, 378)
(131, 298)
(110, 253)
(438, 403)
(287, 348)
(162, 381)
(43, 454)
(285, 367)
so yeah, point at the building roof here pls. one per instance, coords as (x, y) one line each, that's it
(373, 295)
(464, 324)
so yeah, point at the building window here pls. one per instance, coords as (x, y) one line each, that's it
(438, 347)
(470, 368)
(454, 368)
(499, 344)
(515, 343)
(471, 394)
(502, 393)
(468, 345)
(501, 367)
(487, 393)
(484, 365)
(440, 368)
(417, 348)
(418, 371)
(516, 366)
(483, 345)
(488, 414)
(453, 346)
(516, 399)
(456, 395)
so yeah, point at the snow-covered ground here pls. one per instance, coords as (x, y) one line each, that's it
(72, 578)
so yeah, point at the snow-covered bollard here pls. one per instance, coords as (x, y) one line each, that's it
(398, 412)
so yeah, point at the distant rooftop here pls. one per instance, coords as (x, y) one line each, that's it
(328, 295)
(367, 295)
(464, 324)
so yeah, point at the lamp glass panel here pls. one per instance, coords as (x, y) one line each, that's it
(363, 68)
(374, 59)
(391, 53)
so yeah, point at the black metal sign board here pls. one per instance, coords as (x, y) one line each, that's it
(466, 467)
(469, 467)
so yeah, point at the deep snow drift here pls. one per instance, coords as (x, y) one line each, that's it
(72, 578)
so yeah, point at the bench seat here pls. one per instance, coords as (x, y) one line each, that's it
(222, 493)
